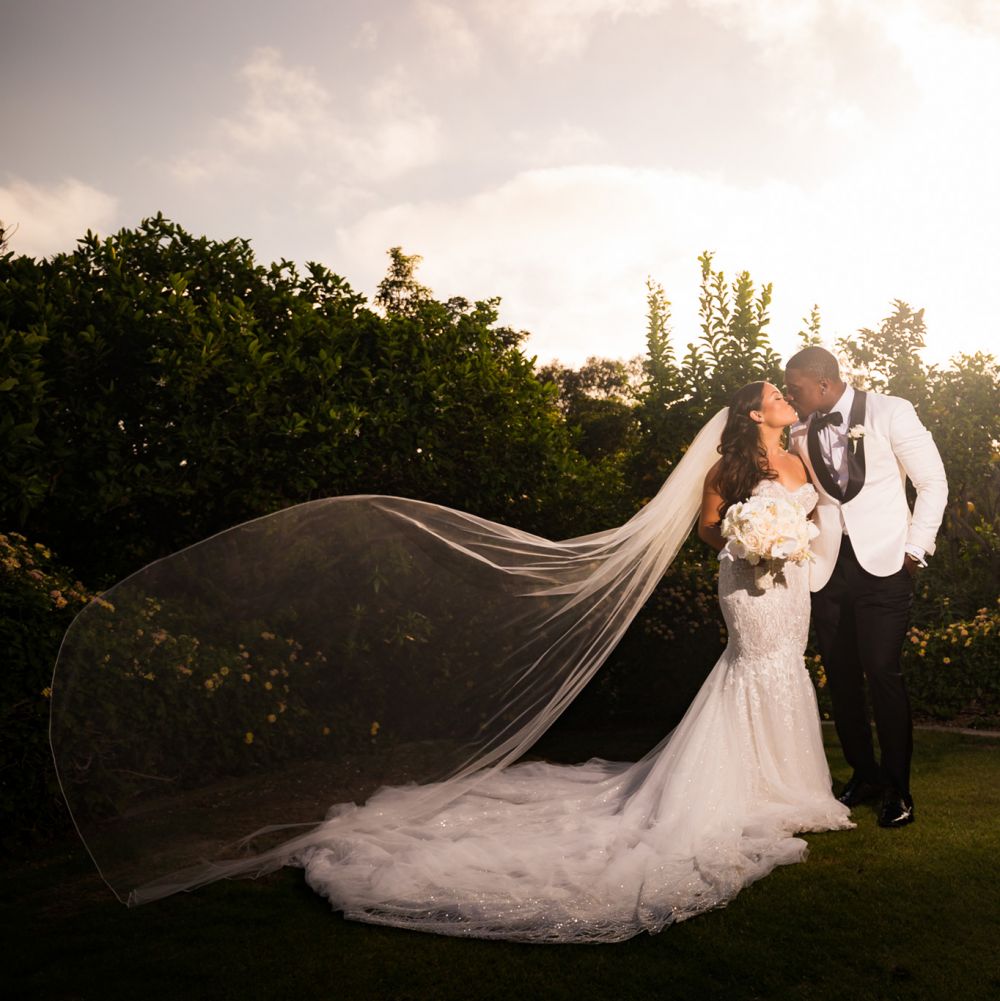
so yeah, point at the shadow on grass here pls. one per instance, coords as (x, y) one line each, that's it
(872, 914)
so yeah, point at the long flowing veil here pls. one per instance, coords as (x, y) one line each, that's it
(266, 678)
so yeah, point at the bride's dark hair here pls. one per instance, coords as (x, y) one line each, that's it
(744, 458)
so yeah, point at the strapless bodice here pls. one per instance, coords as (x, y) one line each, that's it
(805, 494)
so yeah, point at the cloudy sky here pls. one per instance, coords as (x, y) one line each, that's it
(552, 152)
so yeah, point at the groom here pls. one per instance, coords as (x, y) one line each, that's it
(859, 448)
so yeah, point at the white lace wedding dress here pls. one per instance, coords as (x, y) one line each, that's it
(600, 851)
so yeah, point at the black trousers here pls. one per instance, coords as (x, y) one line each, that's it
(861, 622)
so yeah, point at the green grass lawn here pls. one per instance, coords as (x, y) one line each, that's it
(913, 913)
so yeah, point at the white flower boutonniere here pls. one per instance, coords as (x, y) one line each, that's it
(855, 434)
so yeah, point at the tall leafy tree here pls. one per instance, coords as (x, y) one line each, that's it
(888, 359)
(812, 332)
(679, 396)
(734, 347)
(597, 401)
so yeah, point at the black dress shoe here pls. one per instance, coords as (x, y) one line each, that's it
(896, 810)
(860, 790)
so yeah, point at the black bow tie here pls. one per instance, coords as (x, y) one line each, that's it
(820, 421)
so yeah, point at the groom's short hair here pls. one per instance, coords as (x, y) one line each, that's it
(817, 362)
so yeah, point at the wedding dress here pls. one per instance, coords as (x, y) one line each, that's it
(395, 659)
(600, 851)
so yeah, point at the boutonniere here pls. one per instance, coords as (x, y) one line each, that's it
(855, 434)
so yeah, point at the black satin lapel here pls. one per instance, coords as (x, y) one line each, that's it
(820, 467)
(856, 451)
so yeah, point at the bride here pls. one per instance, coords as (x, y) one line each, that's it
(500, 631)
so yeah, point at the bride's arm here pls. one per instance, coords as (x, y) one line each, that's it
(711, 505)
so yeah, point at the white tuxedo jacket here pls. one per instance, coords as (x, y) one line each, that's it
(873, 506)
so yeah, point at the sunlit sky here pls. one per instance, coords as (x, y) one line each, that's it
(552, 152)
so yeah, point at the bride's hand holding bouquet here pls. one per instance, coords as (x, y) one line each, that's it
(767, 532)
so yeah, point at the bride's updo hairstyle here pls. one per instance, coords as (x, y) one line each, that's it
(744, 458)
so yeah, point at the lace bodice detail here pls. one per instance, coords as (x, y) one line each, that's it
(751, 611)
(806, 494)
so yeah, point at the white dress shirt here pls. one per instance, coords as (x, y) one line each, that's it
(833, 439)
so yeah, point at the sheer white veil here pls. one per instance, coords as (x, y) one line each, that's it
(275, 674)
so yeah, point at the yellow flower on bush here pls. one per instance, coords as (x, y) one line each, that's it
(271, 717)
(209, 684)
(375, 727)
(248, 737)
(268, 686)
(245, 677)
(223, 670)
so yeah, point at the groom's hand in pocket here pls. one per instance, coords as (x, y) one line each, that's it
(911, 566)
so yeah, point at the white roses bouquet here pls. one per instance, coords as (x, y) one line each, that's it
(767, 532)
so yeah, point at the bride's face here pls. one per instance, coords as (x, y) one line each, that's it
(775, 411)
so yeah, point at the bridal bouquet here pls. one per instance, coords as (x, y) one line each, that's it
(768, 532)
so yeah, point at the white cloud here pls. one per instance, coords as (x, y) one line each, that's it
(569, 249)
(47, 219)
(552, 29)
(454, 43)
(291, 124)
(367, 36)
(565, 144)
(771, 23)
(285, 105)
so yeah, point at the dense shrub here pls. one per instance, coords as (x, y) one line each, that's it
(951, 668)
(159, 387)
(38, 599)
